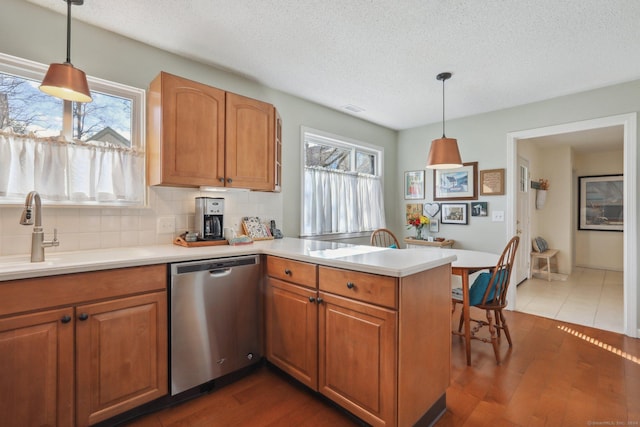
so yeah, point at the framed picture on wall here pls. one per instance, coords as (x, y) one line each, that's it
(454, 213)
(492, 182)
(456, 184)
(601, 203)
(414, 185)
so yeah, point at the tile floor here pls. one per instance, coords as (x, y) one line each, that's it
(587, 297)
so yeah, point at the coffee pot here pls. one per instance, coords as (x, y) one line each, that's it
(209, 218)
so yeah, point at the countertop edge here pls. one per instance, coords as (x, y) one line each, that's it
(379, 262)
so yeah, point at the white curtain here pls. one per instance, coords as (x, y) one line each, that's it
(341, 202)
(70, 171)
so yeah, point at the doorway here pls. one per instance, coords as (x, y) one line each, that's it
(628, 121)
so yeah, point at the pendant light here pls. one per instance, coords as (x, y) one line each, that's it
(64, 80)
(444, 153)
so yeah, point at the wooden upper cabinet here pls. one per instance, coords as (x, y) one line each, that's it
(250, 143)
(198, 135)
(185, 133)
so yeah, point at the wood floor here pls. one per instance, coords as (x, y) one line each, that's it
(557, 374)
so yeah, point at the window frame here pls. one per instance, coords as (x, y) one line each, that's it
(25, 68)
(342, 142)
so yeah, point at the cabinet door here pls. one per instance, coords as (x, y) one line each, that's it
(250, 143)
(121, 355)
(357, 358)
(185, 133)
(36, 369)
(291, 330)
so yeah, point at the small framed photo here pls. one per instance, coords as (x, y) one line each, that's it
(454, 213)
(434, 225)
(413, 210)
(492, 182)
(414, 185)
(479, 209)
(456, 184)
(601, 203)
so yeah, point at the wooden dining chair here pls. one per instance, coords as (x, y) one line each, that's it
(384, 238)
(489, 292)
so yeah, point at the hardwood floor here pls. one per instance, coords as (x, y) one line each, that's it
(557, 374)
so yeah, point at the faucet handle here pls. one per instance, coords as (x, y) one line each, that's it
(55, 241)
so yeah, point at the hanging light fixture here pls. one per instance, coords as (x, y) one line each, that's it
(64, 80)
(444, 153)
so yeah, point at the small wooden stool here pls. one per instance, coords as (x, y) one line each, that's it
(546, 255)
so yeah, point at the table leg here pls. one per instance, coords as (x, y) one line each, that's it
(466, 315)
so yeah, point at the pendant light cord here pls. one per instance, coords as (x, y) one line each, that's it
(443, 80)
(68, 31)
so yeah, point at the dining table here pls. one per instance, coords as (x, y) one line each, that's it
(467, 262)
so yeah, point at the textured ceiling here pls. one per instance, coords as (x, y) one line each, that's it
(383, 56)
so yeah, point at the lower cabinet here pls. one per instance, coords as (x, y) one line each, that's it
(378, 346)
(87, 361)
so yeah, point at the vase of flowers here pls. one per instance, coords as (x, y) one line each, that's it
(541, 193)
(418, 222)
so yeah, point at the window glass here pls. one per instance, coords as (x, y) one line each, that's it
(342, 182)
(69, 152)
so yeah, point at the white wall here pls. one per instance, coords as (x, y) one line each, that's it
(37, 34)
(599, 249)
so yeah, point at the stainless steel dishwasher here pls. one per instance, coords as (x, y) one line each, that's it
(215, 319)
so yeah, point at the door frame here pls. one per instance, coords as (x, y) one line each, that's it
(629, 122)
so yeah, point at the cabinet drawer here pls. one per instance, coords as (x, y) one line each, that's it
(298, 272)
(380, 290)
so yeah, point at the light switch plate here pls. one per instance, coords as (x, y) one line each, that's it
(166, 225)
(497, 216)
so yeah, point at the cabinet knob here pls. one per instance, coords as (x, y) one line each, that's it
(320, 300)
(229, 180)
(66, 318)
(221, 179)
(350, 285)
(287, 272)
(83, 316)
(312, 299)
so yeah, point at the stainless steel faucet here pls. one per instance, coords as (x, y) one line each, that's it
(37, 237)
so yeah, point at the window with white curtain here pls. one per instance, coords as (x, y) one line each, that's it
(342, 185)
(70, 153)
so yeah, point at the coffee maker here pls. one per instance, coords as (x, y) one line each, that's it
(209, 213)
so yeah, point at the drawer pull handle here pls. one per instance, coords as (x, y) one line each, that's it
(350, 285)
(83, 316)
(320, 300)
(66, 318)
(312, 299)
(287, 272)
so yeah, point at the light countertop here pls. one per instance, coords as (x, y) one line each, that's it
(369, 259)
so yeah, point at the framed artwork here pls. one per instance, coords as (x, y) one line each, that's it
(492, 182)
(454, 213)
(601, 203)
(456, 184)
(414, 185)
(413, 210)
(431, 209)
(434, 225)
(479, 209)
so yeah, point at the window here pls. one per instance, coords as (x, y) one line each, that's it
(71, 153)
(342, 185)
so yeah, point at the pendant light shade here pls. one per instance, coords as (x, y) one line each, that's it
(444, 153)
(64, 80)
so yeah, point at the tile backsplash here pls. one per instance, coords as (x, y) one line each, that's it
(95, 228)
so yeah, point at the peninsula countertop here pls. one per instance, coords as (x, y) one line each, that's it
(369, 259)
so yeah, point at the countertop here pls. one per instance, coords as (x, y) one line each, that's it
(369, 259)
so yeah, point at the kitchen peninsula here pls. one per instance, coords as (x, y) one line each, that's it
(382, 323)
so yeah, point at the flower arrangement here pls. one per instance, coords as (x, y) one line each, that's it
(544, 184)
(418, 222)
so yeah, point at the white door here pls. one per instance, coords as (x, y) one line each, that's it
(522, 223)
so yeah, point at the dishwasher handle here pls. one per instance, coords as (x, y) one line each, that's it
(220, 272)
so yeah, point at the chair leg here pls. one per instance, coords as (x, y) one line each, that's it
(494, 336)
(461, 321)
(505, 327)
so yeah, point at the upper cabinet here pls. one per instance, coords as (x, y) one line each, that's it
(198, 135)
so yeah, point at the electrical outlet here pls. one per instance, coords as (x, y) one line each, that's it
(497, 216)
(166, 225)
